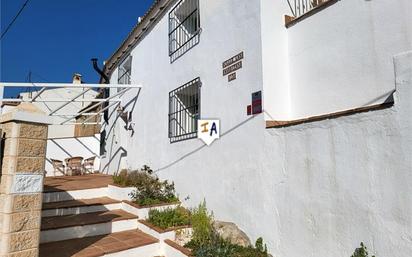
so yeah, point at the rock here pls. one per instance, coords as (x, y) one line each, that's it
(183, 236)
(229, 231)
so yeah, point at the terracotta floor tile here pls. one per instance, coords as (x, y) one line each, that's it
(114, 247)
(96, 246)
(69, 183)
(84, 219)
(89, 252)
(79, 203)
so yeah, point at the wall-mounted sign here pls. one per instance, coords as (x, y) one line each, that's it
(208, 130)
(231, 65)
(257, 102)
(256, 106)
(232, 60)
(231, 76)
(232, 68)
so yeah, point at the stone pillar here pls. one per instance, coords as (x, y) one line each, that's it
(21, 182)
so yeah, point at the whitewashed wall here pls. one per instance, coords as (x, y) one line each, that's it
(62, 148)
(223, 35)
(341, 57)
(316, 189)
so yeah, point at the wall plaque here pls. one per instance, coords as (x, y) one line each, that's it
(231, 77)
(27, 183)
(233, 60)
(231, 65)
(257, 103)
(232, 68)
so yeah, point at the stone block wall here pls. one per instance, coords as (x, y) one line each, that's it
(21, 187)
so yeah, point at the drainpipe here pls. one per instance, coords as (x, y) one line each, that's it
(106, 91)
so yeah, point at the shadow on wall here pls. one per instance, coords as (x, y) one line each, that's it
(203, 146)
(121, 152)
(63, 148)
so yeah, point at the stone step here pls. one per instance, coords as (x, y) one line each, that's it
(80, 206)
(60, 228)
(127, 243)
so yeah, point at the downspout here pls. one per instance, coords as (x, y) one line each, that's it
(105, 94)
(106, 91)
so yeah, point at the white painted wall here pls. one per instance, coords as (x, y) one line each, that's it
(315, 189)
(275, 62)
(222, 37)
(341, 57)
(60, 131)
(62, 148)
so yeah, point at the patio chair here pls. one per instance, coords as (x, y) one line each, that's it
(58, 166)
(88, 164)
(74, 166)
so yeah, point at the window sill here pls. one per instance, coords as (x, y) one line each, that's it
(290, 20)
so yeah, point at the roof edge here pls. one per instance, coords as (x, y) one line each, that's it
(140, 29)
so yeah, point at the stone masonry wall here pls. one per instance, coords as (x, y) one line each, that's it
(21, 188)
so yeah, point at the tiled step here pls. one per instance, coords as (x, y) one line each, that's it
(79, 206)
(128, 243)
(60, 228)
(67, 188)
(91, 193)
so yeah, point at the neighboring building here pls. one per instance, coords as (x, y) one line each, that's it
(71, 139)
(62, 131)
(91, 125)
(317, 188)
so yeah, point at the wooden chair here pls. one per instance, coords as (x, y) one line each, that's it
(58, 166)
(88, 164)
(74, 166)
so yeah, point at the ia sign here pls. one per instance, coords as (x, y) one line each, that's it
(208, 130)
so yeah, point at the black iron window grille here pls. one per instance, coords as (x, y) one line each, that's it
(184, 28)
(184, 111)
(125, 73)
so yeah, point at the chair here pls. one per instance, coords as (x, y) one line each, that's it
(74, 166)
(88, 164)
(58, 166)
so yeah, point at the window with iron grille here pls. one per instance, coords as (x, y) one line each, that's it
(184, 28)
(125, 73)
(184, 111)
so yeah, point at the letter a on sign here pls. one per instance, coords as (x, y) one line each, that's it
(208, 130)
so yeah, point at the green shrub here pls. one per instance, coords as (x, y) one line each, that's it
(149, 189)
(362, 251)
(201, 224)
(169, 217)
(218, 247)
(206, 242)
(121, 179)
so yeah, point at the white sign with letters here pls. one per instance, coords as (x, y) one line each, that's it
(208, 130)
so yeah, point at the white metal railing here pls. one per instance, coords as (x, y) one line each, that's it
(111, 101)
(300, 7)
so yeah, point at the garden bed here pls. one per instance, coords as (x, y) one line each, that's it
(143, 188)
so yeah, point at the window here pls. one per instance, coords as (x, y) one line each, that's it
(184, 111)
(184, 28)
(125, 73)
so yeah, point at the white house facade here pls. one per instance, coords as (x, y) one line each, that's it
(316, 144)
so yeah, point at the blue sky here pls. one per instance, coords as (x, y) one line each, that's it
(56, 38)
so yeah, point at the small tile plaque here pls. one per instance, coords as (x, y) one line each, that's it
(27, 183)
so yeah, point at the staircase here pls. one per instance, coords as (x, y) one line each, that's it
(79, 219)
